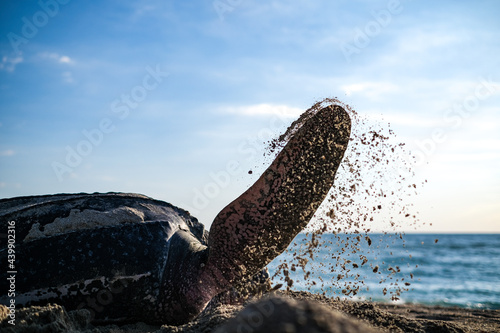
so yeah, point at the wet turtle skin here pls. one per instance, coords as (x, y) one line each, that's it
(108, 253)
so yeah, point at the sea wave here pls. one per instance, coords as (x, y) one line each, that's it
(436, 269)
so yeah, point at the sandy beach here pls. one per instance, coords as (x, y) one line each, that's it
(277, 312)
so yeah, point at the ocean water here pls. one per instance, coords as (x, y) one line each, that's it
(440, 269)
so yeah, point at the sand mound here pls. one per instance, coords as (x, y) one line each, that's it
(281, 312)
(49, 318)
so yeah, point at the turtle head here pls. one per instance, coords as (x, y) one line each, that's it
(182, 294)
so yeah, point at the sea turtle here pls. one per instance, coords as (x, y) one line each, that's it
(129, 257)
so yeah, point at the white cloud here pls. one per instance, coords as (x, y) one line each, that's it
(9, 63)
(8, 152)
(370, 89)
(265, 109)
(406, 119)
(65, 60)
(466, 162)
(420, 102)
(477, 145)
(107, 178)
(62, 59)
(68, 77)
(416, 41)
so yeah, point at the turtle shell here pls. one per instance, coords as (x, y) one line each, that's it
(47, 215)
(107, 253)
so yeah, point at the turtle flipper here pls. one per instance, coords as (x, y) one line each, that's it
(259, 225)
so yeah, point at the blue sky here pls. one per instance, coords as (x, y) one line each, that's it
(172, 99)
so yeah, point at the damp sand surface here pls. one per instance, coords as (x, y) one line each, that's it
(291, 311)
